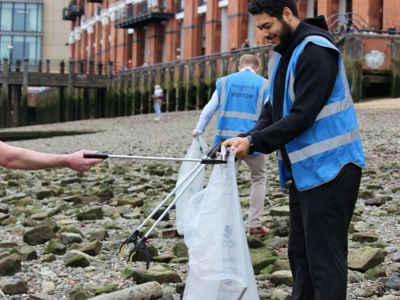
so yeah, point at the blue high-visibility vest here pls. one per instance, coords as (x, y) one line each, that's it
(318, 154)
(241, 98)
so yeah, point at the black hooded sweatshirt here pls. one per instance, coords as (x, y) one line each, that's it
(315, 77)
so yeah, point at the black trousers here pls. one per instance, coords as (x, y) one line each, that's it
(319, 221)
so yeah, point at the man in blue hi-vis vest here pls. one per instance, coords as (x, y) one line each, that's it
(310, 119)
(238, 99)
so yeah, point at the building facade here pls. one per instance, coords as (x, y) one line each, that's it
(133, 33)
(31, 29)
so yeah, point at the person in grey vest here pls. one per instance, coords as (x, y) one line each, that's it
(238, 100)
(12, 157)
(311, 121)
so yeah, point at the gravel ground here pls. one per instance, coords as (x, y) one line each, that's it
(141, 135)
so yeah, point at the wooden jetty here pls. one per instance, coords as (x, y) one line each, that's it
(89, 91)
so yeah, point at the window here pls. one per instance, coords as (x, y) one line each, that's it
(30, 52)
(31, 18)
(18, 49)
(181, 6)
(6, 16)
(5, 41)
(19, 16)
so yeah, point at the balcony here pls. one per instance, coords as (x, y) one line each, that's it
(72, 12)
(140, 15)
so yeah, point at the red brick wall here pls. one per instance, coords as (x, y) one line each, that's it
(391, 14)
(213, 27)
(237, 23)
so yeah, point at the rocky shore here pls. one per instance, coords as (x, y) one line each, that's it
(60, 230)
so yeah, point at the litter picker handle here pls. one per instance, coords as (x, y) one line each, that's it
(95, 155)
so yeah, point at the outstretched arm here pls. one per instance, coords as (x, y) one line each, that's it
(25, 159)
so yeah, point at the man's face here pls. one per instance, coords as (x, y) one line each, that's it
(275, 31)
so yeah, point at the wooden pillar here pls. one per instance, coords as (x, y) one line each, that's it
(24, 94)
(395, 90)
(4, 101)
(353, 62)
(109, 91)
(70, 91)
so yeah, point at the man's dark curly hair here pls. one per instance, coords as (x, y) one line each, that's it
(274, 8)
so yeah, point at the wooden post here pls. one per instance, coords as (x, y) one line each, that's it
(109, 91)
(24, 94)
(47, 66)
(40, 66)
(353, 62)
(129, 95)
(70, 91)
(180, 90)
(61, 95)
(91, 93)
(5, 100)
(395, 90)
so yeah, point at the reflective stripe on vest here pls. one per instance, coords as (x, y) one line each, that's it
(323, 146)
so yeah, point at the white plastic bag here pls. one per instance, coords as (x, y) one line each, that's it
(219, 259)
(197, 149)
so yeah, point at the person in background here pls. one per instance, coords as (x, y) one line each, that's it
(239, 98)
(25, 159)
(158, 98)
(311, 120)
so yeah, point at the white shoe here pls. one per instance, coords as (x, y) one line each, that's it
(156, 119)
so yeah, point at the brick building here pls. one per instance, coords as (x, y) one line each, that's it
(133, 33)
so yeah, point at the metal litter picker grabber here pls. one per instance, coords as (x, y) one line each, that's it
(139, 246)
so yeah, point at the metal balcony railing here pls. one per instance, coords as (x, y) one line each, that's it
(72, 12)
(141, 14)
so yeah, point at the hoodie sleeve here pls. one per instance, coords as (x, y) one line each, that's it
(317, 70)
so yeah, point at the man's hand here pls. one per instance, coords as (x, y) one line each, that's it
(240, 145)
(77, 162)
(194, 134)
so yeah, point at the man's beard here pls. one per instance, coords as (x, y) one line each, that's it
(285, 36)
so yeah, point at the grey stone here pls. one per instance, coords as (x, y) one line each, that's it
(95, 213)
(393, 282)
(55, 246)
(280, 211)
(156, 273)
(180, 250)
(92, 248)
(149, 290)
(13, 285)
(77, 259)
(40, 195)
(10, 265)
(365, 237)
(27, 252)
(282, 277)
(365, 258)
(39, 235)
(70, 237)
(99, 235)
(79, 293)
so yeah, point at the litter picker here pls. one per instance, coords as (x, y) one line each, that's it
(139, 246)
